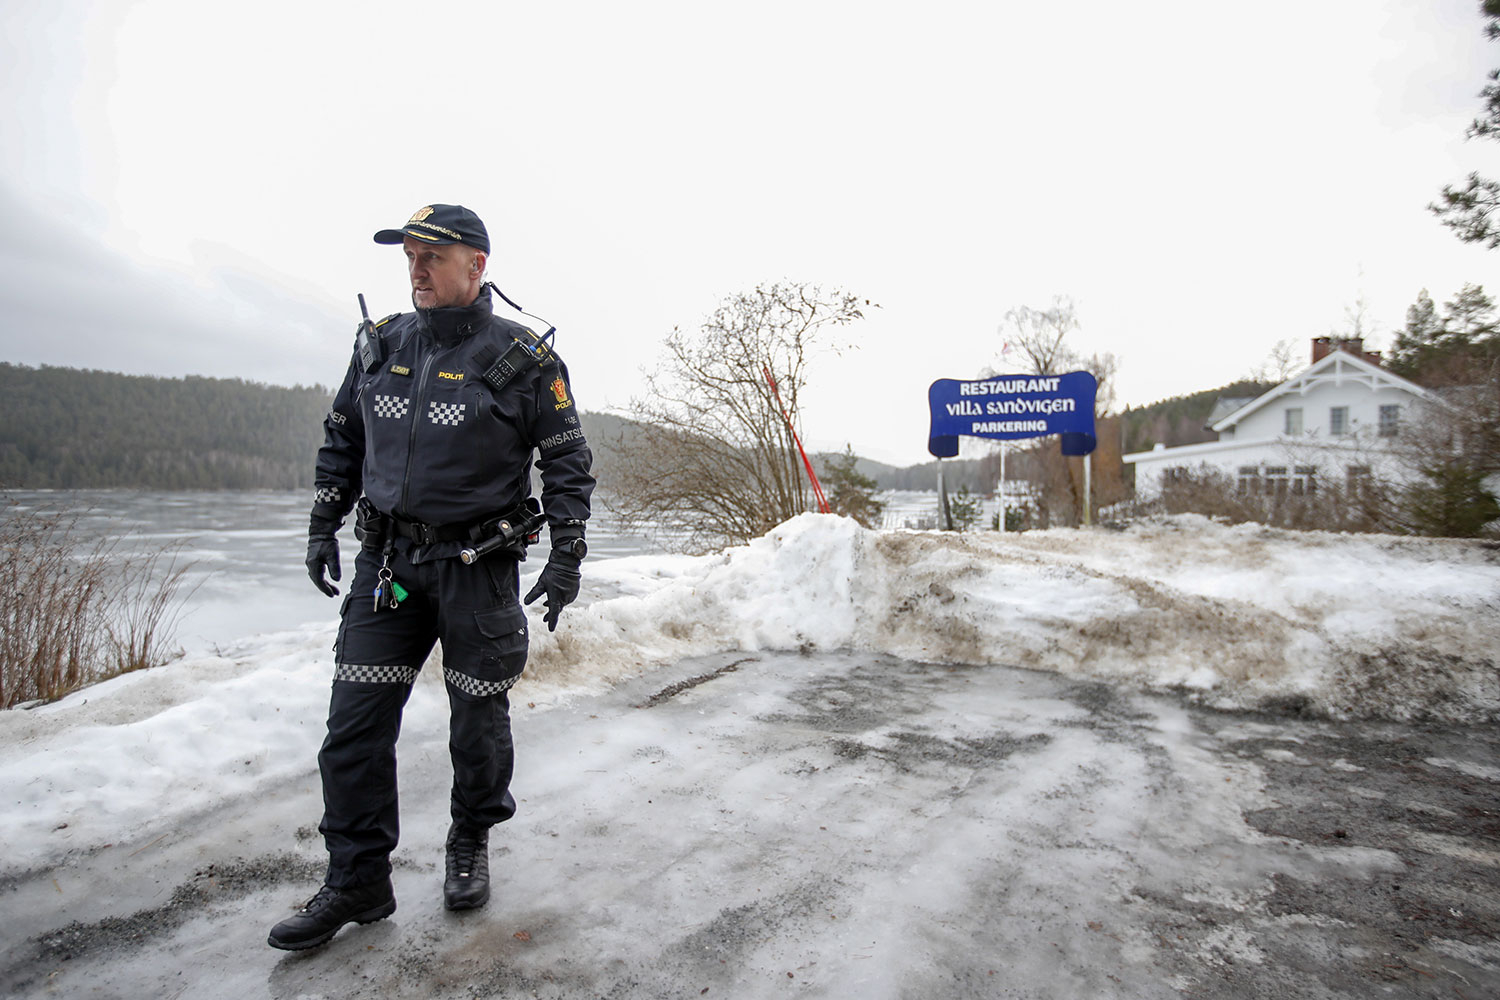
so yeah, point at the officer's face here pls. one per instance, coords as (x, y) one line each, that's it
(442, 275)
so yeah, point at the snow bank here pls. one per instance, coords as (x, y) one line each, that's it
(1246, 616)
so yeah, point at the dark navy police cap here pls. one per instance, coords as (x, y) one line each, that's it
(441, 224)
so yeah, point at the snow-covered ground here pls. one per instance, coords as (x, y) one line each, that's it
(816, 748)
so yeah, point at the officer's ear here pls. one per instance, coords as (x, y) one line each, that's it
(477, 262)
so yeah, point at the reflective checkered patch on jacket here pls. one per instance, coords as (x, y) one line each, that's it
(327, 494)
(450, 414)
(391, 406)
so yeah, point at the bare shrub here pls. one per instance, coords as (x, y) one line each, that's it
(74, 613)
(52, 625)
(1022, 515)
(1367, 507)
(712, 460)
(147, 605)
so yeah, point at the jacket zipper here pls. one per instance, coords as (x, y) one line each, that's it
(411, 440)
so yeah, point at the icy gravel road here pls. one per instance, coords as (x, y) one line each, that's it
(844, 825)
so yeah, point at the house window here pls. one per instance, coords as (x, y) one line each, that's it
(1249, 479)
(1359, 479)
(1305, 480)
(1276, 479)
(1390, 415)
(1294, 420)
(1338, 420)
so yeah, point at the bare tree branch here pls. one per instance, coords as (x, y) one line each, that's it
(714, 461)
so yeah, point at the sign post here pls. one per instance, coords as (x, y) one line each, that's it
(1000, 488)
(1088, 491)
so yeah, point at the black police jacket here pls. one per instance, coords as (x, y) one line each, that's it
(427, 439)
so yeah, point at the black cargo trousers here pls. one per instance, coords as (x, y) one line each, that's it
(474, 611)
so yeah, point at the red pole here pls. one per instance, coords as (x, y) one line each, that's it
(823, 507)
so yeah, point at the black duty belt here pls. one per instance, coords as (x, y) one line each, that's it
(519, 525)
(426, 534)
(516, 527)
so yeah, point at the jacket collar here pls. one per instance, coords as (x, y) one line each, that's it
(451, 324)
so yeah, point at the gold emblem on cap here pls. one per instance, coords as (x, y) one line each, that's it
(420, 214)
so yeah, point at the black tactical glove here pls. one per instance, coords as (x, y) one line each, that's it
(323, 551)
(559, 581)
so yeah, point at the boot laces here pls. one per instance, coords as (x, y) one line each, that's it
(320, 899)
(462, 853)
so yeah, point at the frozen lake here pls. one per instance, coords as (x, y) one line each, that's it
(246, 552)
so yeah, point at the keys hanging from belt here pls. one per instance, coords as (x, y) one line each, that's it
(388, 593)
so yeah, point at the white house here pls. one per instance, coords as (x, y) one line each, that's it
(1337, 422)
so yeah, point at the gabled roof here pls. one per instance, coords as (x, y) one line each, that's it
(1337, 368)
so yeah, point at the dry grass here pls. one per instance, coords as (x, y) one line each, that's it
(74, 613)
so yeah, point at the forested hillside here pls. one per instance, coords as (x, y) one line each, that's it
(69, 428)
(66, 428)
(1181, 419)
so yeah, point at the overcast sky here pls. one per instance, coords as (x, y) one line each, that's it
(190, 188)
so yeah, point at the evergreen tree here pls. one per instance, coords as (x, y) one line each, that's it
(1470, 316)
(1468, 210)
(1450, 501)
(964, 507)
(1446, 351)
(849, 492)
(1417, 341)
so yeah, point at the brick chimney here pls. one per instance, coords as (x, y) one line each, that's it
(1324, 346)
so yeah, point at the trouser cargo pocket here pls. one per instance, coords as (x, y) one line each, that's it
(498, 656)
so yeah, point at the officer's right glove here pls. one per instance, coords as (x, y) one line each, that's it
(323, 552)
(559, 580)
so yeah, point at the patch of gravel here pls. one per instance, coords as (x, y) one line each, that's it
(208, 886)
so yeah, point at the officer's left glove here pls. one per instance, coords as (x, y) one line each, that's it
(559, 581)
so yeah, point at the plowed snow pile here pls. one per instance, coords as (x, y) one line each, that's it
(1246, 616)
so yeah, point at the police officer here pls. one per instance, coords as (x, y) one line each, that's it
(434, 427)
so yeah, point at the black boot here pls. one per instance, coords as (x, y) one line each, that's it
(467, 885)
(321, 917)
